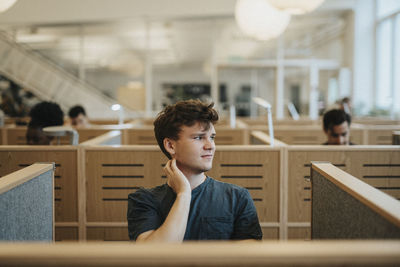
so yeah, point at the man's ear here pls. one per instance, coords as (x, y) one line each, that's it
(169, 145)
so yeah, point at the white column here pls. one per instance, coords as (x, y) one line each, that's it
(148, 74)
(344, 82)
(280, 76)
(255, 86)
(81, 73)
(214, 84)
(313, 101)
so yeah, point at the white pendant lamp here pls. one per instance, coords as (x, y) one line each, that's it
(6, 4)
(258, 19)
(296, 7)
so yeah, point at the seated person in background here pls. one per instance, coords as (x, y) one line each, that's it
(191, 205)
(78, 116)
(337, 127)
(43, 115)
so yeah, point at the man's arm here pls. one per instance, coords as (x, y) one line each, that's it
(174, 227)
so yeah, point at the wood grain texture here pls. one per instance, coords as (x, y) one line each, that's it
(294, 253)
(111, 175)
(300, 233)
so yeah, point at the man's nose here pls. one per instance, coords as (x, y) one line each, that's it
(209, 144)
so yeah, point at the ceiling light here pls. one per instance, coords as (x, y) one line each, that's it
(116, 107)
(296, 7)
(258, 19)
(6, 4)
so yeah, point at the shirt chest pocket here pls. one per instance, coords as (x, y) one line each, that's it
(216, 228)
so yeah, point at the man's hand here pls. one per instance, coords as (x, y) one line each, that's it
(176, 179)
(174, 227)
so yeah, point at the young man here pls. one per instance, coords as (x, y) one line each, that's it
(77, 115)
(191, 205)
(337, 127)
(43, 115)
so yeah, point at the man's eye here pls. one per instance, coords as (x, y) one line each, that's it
(212, 137)
(197, 137)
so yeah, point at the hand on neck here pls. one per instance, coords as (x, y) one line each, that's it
(195, 179)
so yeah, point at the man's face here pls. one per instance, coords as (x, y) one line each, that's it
(194, 150)
(79, 121)
(35, 136)
(339, 134)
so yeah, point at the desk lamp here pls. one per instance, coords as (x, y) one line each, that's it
(58, 131)
(267, 106)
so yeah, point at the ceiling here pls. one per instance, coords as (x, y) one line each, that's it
(121, 35)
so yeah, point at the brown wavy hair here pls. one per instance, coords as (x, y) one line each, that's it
(170, 120)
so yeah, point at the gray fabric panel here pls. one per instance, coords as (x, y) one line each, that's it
(26, 211)
(338, 215)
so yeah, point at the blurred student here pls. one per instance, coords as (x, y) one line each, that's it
(43, 115)
(77, 116)
(337, 127)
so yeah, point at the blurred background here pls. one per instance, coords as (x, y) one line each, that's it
(147, 54)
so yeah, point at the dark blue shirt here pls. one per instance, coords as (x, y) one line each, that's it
(218, 211)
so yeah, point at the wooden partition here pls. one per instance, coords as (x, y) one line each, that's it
(16, 120)
(261, 138)
(257, 169)
(345, 207)
(14, 135)
(316, 253)
(314, 134)
(27, 204)
(380, 134)
(263, 121)
(231, 136)
(111, 174)
(307, 135)
(109, 138)
(396, 138)
(106, 121)
(378, 166)
(13, 158)
(114, 172)
(17, 135)
(144, 135)
(375, 121)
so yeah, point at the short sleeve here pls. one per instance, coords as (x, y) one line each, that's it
(142, 213)
(246, 225)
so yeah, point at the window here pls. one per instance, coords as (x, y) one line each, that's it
(383, 66)
(387, 87)
(396, 73)
(387, 7)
